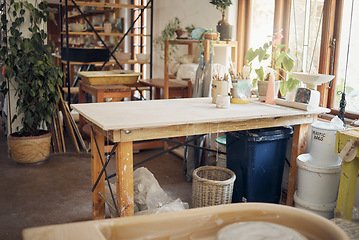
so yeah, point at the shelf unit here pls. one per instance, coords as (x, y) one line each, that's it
(105, 8)
(190, 43)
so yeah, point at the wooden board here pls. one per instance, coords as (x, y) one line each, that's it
(109, 77)
(174, 112)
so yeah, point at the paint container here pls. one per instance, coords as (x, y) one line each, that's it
(241, 92)
(219, 88)
(223, 101)
(325, 210)
(322, 148)
(317, 184)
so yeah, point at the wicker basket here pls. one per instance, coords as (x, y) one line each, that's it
(212, 186)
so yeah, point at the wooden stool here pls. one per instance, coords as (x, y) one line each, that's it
(177, 88)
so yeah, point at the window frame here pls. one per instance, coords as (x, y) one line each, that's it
(331, 29)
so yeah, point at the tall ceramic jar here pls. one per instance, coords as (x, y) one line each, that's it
(219, 88)
(241, 92)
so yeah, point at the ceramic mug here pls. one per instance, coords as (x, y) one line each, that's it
(76, 27)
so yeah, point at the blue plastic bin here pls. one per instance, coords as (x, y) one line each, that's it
(257, 158)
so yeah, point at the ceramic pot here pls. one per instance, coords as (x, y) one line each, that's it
(77, 27)
(219, 88)
(241, 92)
(262, 89)
(31, 149)
(225, 32)
(211, 36)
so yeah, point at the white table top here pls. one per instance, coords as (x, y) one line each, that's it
(160, 113)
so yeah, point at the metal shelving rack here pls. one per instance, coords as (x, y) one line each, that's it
(105, 8)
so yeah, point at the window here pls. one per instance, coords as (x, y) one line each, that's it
(305, 34)
(352, 75)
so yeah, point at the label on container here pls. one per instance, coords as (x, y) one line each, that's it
(321, 137)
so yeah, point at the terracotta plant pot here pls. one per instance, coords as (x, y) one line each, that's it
(211, 36)
(29, 149)
(179, 33)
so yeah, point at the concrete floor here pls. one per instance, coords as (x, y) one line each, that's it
(59, 190)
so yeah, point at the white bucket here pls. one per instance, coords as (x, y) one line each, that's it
(317, 184)
(322, 146)
(324, 210)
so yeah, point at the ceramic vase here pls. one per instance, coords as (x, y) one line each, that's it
(219, 88)
(262, 89)
(241, 92)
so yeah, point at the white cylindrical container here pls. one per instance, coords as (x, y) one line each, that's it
(325, 210)
(317, 184)
(322, 148)
(219, 88)
(223, 101)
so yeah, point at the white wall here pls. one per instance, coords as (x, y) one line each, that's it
(199, 12)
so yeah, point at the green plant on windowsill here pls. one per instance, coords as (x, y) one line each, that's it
(281, 62)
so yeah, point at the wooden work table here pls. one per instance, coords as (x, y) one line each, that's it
(125, 122)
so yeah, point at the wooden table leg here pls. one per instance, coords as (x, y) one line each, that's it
(124, 179)
(98, 203)
(298, 147)
(347, 186)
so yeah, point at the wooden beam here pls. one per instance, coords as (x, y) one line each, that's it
(337, 34)
(243, 30)
(298, 147)
(325, 49)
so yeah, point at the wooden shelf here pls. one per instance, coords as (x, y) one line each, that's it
(88, 13)
(106, 34)
(102, 4)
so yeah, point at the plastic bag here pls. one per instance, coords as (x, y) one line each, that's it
(149, 197)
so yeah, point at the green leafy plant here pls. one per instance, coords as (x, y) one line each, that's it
(168, 33)
(281, 62)
(222, 5)
(212, 35)
(28, 65)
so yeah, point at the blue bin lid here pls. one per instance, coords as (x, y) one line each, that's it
(265, 134)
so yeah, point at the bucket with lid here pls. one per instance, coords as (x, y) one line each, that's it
(317, 184)
(322, 148)
(323, 209)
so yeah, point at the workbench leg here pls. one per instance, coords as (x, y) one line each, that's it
(124, 179)
(347, 187)
(298, 147)
(98, 203)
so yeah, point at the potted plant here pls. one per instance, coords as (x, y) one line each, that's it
(168, 33)
(281, 62)
(28, 67)
(223, 27)
(207, 34)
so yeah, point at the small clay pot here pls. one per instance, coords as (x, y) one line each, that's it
(179, 33)
(211, 36)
